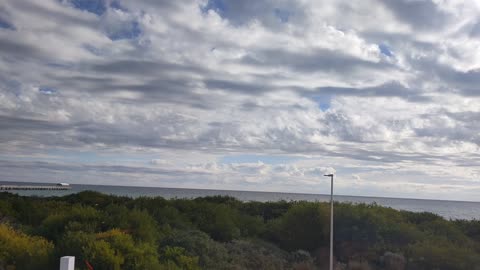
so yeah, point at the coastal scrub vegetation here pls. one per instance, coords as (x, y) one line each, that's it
(111, 232)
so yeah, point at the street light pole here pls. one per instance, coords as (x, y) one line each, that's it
(331, 219)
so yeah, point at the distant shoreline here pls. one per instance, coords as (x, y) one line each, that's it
(253, 191)
(447, 209)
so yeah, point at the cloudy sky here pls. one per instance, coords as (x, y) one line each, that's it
(251, 95)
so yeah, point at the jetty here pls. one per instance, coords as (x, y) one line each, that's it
(25, 187)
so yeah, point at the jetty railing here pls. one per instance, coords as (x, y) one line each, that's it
(31, 187)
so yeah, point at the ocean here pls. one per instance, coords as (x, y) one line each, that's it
(446, 209)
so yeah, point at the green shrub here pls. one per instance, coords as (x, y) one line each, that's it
(303, 226)
(441, 254)
(211, 254)
(23, 251)
(176, 258)
(224, 233)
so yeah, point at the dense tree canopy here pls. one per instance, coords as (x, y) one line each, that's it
(112, 233)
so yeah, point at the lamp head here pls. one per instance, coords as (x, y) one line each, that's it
(329, 175)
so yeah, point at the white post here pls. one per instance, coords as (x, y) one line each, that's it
(67, 263)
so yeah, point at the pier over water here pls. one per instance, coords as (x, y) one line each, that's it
(25, 187)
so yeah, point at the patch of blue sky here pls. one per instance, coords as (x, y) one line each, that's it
(6, 25)
(385, 50)
(130, 31)
(267, 159)
(218, 6)
(117, 5)
(323, 101)
(47, 90)
(282, 14)
(94, 6)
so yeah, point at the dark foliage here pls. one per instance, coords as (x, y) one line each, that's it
(223, 233)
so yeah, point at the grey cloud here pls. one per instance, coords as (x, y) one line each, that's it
(141, 67)
(466, 117)
(401, 42)
(465, 129)
(172, 92)
(42, 11)
(453, 81)
(252, 106)
(158, 6)
(14, 123)
(422, 57)
(420, 14)
(35, 134)
(320, 60)
(161, 81)
(459, 133)
(168, 82)
(15, 50)
(118, 136)
(252, 88)
(271, 13)
(382, 157)
(475, 30)
(165, 90)
(466, 83)
(168, 92)
(391, 89)
(85, 168)
(42, 133)
(317, 60)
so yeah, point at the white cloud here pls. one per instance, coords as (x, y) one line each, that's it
(191, 85)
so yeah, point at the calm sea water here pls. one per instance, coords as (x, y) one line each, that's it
(447, 209)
